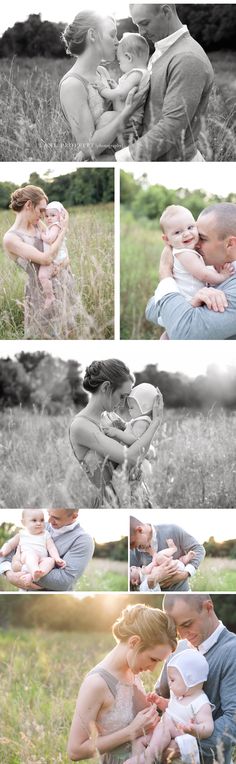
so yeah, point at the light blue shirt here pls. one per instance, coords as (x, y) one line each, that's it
(183, 322)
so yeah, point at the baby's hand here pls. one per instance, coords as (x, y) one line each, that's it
(160, 702)
(60, 563)
(112, 432)
(191, 554)
(228, 269)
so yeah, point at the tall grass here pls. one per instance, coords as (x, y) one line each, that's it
(91, 249)
(32, 127)
(101, 575)
(194, 467)
(215, 574)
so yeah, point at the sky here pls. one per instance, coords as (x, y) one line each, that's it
(190, 358)
(104, 525)
(211, 177)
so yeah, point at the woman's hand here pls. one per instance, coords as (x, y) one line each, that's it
(143, 722)
(157, 409)
(160, 702)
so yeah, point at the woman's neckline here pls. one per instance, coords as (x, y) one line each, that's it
(121, 681)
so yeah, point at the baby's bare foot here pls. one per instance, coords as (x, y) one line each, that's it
(37, 575)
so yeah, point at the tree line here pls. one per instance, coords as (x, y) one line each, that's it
(148, 201)
(65, 613)
(213, 26)
(82, 187)
(40, 381)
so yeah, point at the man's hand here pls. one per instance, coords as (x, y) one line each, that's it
(174, 578)
(214, 299)
(166, 263)
(21, 580)
(164, 572)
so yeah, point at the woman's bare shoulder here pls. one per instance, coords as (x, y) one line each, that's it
(94, 682)
(73, 84)
(82, 423)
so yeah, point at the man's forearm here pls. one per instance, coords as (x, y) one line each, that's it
(183, 322)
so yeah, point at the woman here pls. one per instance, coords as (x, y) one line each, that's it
(24, 245)
(92, 39)
(109, 383)
(112, 708)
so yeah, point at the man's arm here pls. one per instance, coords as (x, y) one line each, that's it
(186, 78)
(187, 543)
(183, 321)
(225, 725)
(76, 559)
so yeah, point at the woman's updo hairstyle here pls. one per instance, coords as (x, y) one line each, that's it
(112, 370)
(152, 626)
(33, 194)
(75, 34)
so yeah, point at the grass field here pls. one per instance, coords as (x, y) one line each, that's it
(195, 464)
(32, 126)
(215, 575)
(141, 247)
(38, 704)
(101, 575)
(91, 248)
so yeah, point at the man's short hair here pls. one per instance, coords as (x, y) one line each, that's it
(194, 600)
(155, 7)
(134, 524)
(135, 44)
(225, 217)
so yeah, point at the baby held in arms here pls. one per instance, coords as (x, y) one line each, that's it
(189, 270)
(132, 55)
(144, 577)
(187, 715)
(35, 551)
(53, 214)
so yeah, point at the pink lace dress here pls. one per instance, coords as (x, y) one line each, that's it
(61, 322)
(127, 703)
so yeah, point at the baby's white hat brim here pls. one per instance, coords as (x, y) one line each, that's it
(192, 666)
(144, 395)
(55, 206)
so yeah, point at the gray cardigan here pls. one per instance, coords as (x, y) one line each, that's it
(76, 547)
(181, 82)
(220, 689)
(184, 542)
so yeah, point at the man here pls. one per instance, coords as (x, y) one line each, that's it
(74, 545)
(211, 313)
(144, 537)
(181, 82)
(197, 622)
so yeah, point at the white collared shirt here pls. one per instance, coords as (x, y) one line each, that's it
(210, 641)
(162, 45)
(59, 531)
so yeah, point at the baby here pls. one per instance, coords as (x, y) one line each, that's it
(189, 270)
(140, 403)
(54, 211)
(140, 576)
(187, 715)
(36, 552)
(132, 54)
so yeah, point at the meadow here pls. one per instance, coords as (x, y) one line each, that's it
(37, 705)
(215, 574)
(101, 575)
(141, 246)
(32, 127)
(194, 466)
(90, 244)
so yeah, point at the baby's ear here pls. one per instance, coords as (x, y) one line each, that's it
(165, 237)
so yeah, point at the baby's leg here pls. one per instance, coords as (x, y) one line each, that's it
(31, 560)
(164, 336)
(139, 747)
(163, 733)
(46, 564)
(172, 546)
(16, 564)
(44, 276)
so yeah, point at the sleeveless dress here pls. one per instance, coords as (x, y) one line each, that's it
(111, 480)
(127, 703)
(61, 322)
(96, 103)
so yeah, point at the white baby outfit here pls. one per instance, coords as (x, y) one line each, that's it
(194, 670)
(36, 543)
(63, 251)
(188, 284)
